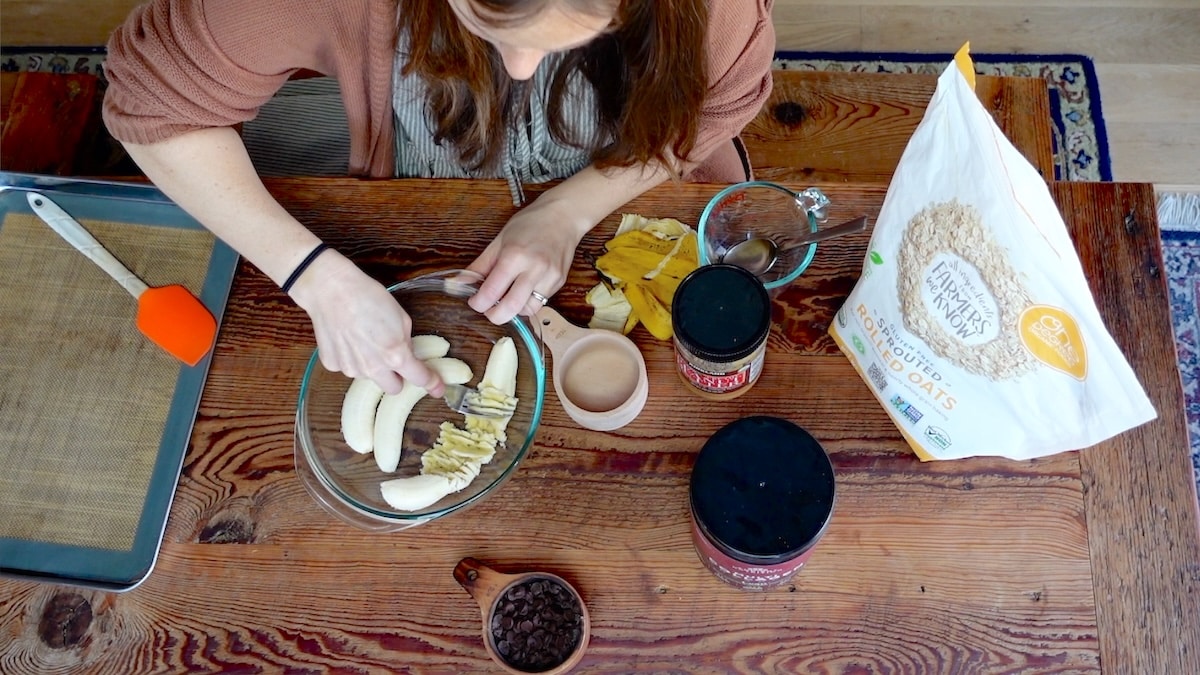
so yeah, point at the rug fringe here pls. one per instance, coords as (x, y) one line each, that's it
(1179, 211)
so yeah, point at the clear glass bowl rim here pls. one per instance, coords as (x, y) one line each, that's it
(530, 334)
(716, 199)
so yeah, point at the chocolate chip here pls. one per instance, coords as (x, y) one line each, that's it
(540, 625)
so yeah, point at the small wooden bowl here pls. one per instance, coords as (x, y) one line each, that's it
(599, 375)
(488, 586)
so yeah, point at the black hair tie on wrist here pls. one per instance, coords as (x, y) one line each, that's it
(308, 259)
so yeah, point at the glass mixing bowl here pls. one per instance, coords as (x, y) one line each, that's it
(763, 210)
(347, 483)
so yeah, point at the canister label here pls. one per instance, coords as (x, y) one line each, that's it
(720, 383)
(744, 575)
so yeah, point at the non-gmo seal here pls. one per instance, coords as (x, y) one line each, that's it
(939, 436)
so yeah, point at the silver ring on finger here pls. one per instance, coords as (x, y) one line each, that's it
(541, 299)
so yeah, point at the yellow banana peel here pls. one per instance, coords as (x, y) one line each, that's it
(631, 321)
(688, 249)
(630, 264)
(644, 263)
(662, 227)
(611, 309)
(638, 239)
(663, 288)
(654, 315)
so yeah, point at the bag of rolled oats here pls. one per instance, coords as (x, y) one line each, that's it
(972, 322)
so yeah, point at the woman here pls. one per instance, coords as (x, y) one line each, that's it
(615, 96)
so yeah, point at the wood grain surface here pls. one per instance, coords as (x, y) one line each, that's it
(1139, 489)
(50, 121)
(853, 127)
(1078, 562)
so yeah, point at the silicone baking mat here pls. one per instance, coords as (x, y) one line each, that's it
(94, 418)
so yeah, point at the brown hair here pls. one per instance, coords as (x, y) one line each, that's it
(649, 70)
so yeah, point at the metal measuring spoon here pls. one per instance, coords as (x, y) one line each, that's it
(757, 255)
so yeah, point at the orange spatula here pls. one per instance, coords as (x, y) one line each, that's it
(170, 316)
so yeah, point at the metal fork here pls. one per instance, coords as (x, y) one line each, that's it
(468, 401)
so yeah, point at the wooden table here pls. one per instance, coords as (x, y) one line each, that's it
(1072, 563)
(853, 127)
(50, 124)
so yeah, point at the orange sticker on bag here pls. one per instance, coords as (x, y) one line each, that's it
(1053, 337)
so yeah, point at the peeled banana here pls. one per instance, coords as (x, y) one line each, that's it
(427, 347)
(374, 422)
(413, 493)
(459, 453)
(358, 414)
(394, 410)
(362, 398)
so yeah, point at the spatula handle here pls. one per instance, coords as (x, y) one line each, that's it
(83, 241)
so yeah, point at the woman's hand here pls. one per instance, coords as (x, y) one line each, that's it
(531, 255)
(361, 330)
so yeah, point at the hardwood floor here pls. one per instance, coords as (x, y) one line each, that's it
(1146, 52)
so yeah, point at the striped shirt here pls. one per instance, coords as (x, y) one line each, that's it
(530, 153)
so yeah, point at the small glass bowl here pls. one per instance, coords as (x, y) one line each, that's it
(347, 483)
(759, 209)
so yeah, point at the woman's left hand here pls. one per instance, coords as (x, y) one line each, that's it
(529, 258)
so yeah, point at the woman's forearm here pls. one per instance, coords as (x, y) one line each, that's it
(360, 329)
(209, 174)
(591, 195)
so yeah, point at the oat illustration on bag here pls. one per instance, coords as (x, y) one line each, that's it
(959, 293)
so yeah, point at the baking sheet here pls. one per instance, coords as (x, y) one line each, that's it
(94, 418)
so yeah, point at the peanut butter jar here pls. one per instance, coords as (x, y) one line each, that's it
(762, 494)
(721, 316)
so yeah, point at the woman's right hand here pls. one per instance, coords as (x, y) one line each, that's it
(361, 330)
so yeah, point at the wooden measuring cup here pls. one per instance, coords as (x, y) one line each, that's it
(489, 587)
(599, 375)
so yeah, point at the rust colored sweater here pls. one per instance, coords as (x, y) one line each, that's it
(179, 65)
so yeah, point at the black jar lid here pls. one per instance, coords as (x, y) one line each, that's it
(721, 313)
(762, 490)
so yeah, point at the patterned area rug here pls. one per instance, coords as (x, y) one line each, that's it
(1179, 218)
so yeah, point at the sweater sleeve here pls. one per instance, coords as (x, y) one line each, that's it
(741, 46)
(180, 65)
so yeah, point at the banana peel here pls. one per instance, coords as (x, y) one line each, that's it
(661, 227)
(682, 247)
(652, 313)
(642, 241)
(631, 264)
(611, 310)
(642, 266)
